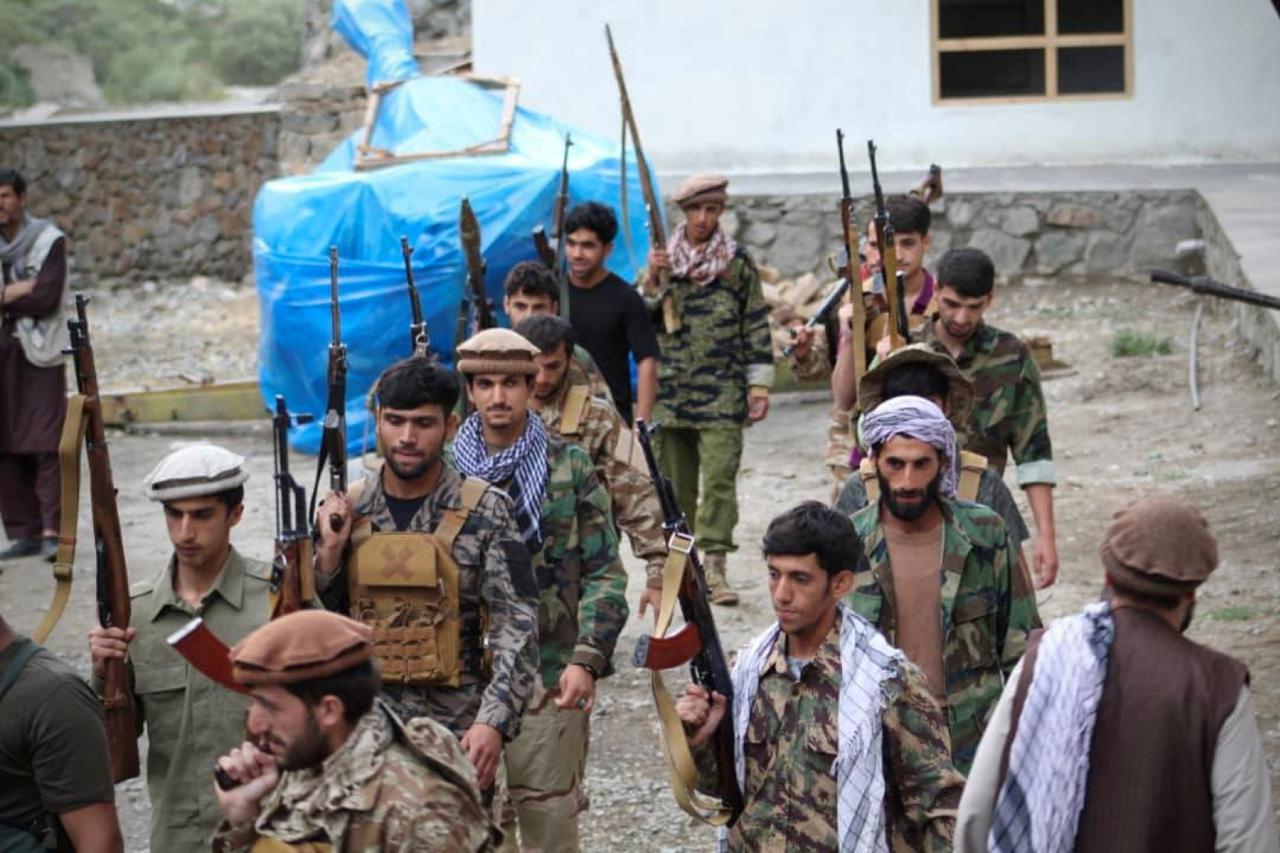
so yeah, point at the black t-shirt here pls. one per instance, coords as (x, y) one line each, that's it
(610, 321)
(403, 509)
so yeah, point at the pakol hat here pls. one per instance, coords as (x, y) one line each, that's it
(702, 188)
(1159, 546)
(959, 388)
(300, 646)
(194, 472)
(497, 351)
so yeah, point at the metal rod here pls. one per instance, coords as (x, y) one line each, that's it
(1192, 360)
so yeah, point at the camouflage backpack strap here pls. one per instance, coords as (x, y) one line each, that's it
(870, 482)
(971, 467)
(574, 410)
(473, 489)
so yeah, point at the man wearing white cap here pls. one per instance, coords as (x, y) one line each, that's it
(190, 720)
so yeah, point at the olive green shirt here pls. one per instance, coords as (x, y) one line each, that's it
(190, 720)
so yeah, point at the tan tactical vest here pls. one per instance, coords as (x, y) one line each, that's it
(971, 467)
(577, 400)
(265, 844)
(405, 587)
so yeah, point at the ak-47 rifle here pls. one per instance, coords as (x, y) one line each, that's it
(333, 441)
(293, 582)
(888, 257)
(696, 643)
(1208, 287)
(859, 323)
(419, 334)
(555, 259)
(657, 233)
(477, 299)
(929, 190)
(113, 574)
(824, 311)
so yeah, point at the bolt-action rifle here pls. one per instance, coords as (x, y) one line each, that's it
(657, 233)
(333, 440)
(888, 259)
(112, 572)
(850, 269)
(293, 583)
(697, 643)
(419, 334)
(475, 299)
(555, 259)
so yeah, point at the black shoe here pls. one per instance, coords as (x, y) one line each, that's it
(49, 548)
(20, 548)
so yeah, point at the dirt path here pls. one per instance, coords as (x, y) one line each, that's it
(1122, 428)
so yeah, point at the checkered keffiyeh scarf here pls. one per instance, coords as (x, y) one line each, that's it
(700, 264)
(523, 464)
(867, 661)
(914, 417)
(1038, 808)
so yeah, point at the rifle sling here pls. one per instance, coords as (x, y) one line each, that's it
(682, 771)
(73, 429)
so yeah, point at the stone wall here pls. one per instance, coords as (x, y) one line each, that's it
(1222, 262)
(1026, 234)
(149, 196)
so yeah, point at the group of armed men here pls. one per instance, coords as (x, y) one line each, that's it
(470, 595)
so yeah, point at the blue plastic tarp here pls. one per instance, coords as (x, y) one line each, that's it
(365, 213)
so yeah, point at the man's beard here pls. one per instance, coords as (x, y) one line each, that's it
(410, 473)
(309, 750)
(909, 512)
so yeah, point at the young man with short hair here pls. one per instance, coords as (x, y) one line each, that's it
(1009, 413)
(607, 313)
(840, 744)
(531, 290)
(189, 719)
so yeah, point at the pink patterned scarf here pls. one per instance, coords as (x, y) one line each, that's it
(700, 264)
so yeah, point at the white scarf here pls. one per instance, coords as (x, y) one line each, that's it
(867, 661)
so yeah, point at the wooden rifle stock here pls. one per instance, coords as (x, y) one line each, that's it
(207, 654)
(469, 233)
(859, 322)
(333, 441)
(888, 254)
(113, 575)
(293, 584)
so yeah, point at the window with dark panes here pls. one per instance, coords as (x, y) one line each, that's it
(1020, 50)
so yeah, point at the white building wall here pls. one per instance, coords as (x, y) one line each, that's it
(758, 86)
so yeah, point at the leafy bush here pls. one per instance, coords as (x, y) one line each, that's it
(1128, 342)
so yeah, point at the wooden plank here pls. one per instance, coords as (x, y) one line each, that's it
(218, 401)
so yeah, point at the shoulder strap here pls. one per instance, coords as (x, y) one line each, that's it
(73, 429)
(451, 524)
(15, 667)
(971, 467)
(870, 482)
(575, 406)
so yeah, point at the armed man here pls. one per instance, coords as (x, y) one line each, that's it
(531, 289)
(562, 512)
(944, 584)
(716, 368)
(434, 564)
(840, 744)
(1116, 732)
(189, 719)
(330, 767)
(571, 413)
(1009, 415)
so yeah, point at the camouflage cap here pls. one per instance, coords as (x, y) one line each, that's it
(702, 188)
(497, 351)
(194, 472)
(959, 400)
(300, 646)
(1159, 545)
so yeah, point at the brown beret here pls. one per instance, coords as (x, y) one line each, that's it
(497, 351)
(301, 646)
(959, 388)
(702, 188)
(1159, 545)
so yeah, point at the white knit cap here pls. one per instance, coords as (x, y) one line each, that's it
(195, 471)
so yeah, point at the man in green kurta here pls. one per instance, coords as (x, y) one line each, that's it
(190, 720)
(716, 368)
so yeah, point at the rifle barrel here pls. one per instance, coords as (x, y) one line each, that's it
(1210, 287)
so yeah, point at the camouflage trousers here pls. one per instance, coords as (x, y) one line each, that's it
(711, 456)
(546, 765)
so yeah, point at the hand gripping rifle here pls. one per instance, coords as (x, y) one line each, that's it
(929, 189)
(888, 259)
(333, 441)
(696, 643)
(113, 575)
(419, 334)
(477, 299)
(555, 259)
(657, 234)
(293, 583)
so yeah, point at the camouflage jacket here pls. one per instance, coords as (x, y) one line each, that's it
(791, 745)
(600, 431)
(722, 348)
(583, 369)
(988, 611)
(391, 787)
(494, 571)
(1009, 411)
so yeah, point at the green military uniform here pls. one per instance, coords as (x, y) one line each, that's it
(988, 609)
(1009, 413)
(791, 743)
(721, 350)
(190, 720)
(494, 574)
(593, 424)
(390, 787)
